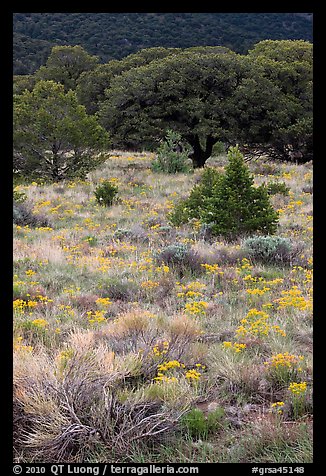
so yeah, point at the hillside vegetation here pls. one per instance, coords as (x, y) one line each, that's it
(138, 341)
(115, 35)
(163, 239)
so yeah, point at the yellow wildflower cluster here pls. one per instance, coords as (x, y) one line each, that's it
(234, 346)
(103, 302)
(149, 284)
(162, 269)
(278, 407)
(294, 298)
(298, 388)
(190, 294)
(44, 228)
(212, 268)
(196, 224)
(20, 347)
(284, 360)
(30, 272)
(196, 308)
(172, 364)
(43, 299)
(256, 324)
(257, 291)
(260, 279)
(20, 305)
(191, 374)
(95, 317)
(67, 309)
(165, 367)
(161, 348)
(196, 286)
(41, 323)
(245, 264)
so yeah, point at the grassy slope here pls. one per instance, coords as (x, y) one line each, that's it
(74, 351)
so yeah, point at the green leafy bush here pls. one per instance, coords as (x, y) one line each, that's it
(172, 155)
(105, 193)
(229, 202)
(272, 249)
(200, 426)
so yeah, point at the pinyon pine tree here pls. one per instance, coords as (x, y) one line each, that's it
(54, 138)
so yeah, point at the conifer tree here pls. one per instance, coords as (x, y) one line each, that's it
(229, 203)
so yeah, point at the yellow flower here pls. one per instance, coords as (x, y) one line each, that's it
(30, 272)
(196, 307)
(40, 323)
(236, 347)
(298, 388)
(193, 374)
(105, 302)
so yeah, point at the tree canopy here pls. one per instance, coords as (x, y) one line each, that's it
(261, 100)
(116, 35)
(53, 136)
(65, 64)
(205, 96)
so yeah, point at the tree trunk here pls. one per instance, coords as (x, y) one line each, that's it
(200, 155)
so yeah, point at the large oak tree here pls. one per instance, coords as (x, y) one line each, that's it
(204, 95)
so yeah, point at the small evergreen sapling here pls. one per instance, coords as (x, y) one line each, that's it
(172, 155)
(230, 203)
(105, 193)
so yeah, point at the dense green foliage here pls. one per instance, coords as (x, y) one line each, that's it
(65, 64)
(212, 95)
(230, 203)
(203, 96)
(172, 155)
(53, 136)
(115, 35)
(92, 84)
(289, 65)
(198, 425)
(105, 193)
(277, 187)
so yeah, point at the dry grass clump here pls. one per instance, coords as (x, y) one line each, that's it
(152, 339)
(66, 406)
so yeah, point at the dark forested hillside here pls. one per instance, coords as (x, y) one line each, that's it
(115, 35)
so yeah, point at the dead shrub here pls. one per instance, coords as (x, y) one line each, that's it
(68, 410)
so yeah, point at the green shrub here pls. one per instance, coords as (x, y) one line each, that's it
(229, 202)
(272, 249)
(200, 426)
(218, 149)
(277, 187)
(118, 288)
(172, 155)
(180, 258)
(105, 193)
